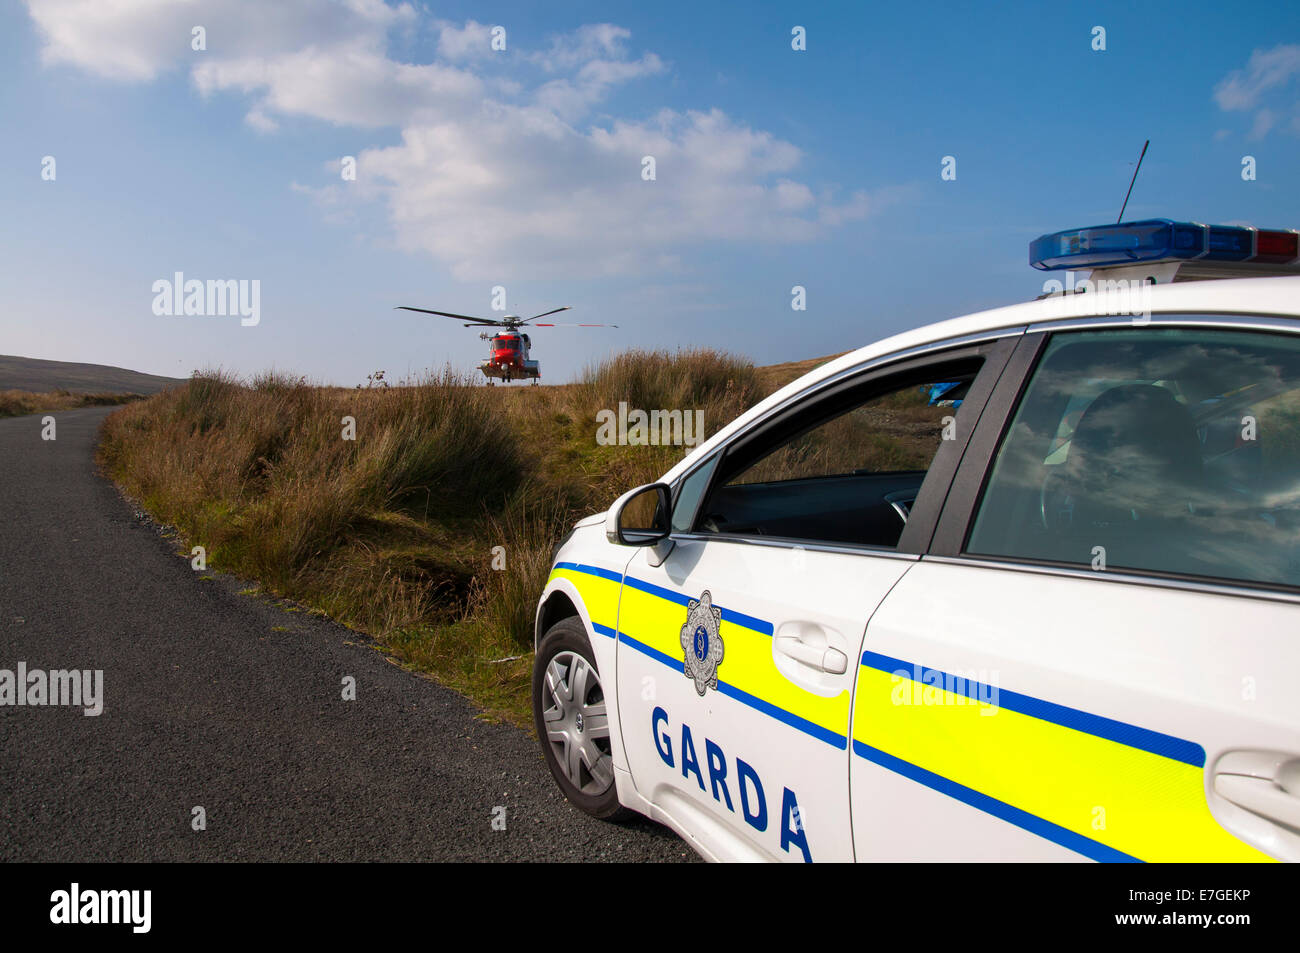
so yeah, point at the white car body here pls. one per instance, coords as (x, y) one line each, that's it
(1135, 717)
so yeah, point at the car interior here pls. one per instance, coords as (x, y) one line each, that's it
(845, 470)
(1185, 460)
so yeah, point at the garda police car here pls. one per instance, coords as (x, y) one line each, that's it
(1021, 585)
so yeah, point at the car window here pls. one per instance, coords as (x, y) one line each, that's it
(1167, 450)
(848, 474)
(688, 495)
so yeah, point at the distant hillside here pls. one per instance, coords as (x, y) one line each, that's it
(775, 376)
(32, 374)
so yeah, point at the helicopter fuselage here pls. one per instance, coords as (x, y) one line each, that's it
(508, 357)
(508, 348)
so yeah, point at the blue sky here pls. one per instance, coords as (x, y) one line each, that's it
(522, 168)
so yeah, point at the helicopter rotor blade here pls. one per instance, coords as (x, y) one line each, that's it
(448, 314)
(545, 313)
(550, 325)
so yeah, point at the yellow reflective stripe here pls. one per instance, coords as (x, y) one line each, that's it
(747, 662)
(1154, 806)
(599, 595)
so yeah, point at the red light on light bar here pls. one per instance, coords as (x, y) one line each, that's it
(1277, 247)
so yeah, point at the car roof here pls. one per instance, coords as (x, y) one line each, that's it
(1232, 296)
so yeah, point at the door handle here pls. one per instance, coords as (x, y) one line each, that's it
(1274, 795)
(823, 657)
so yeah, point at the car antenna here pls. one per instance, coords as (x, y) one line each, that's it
(1131, 181)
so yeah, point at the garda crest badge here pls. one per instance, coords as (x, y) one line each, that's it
(701, 644)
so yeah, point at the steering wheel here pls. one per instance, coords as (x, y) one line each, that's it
(1053, 487)
(715, 522)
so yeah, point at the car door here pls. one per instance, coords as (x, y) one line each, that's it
(736, 651)
(1096, 657)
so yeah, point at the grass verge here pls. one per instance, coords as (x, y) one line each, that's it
(395, 532)
(16, 403)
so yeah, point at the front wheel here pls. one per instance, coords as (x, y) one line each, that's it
(572, 720)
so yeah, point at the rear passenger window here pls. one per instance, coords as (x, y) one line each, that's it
(843, 471)
(1174, 451)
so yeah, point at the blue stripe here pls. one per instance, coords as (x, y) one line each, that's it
(1144, 739)
(728, 615)
(794, 721)
(748, 621)
(660, 591)
(650, 651)
(591, 571)
(999, 809)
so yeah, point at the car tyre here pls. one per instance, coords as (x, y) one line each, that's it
(572, 723)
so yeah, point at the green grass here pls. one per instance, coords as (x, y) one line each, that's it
(393, 533)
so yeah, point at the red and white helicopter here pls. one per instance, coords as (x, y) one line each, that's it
(508, 351)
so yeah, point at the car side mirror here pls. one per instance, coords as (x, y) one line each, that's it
(640, 517)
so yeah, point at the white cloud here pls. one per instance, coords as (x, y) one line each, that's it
(595, 41)
(572, 98)
(470, 41)
(496, 175)
(138, 39)
(1268, 71)
(260, 120)
(520, 190)
(350, 83)
(114, 38)
(858, 207)
(1264, 121)
(792, 196)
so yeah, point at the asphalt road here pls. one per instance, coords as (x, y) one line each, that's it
(207, 705)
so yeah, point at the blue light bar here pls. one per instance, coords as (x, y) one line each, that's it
(1158, 239)
(1230, 244)
(1153, 240)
